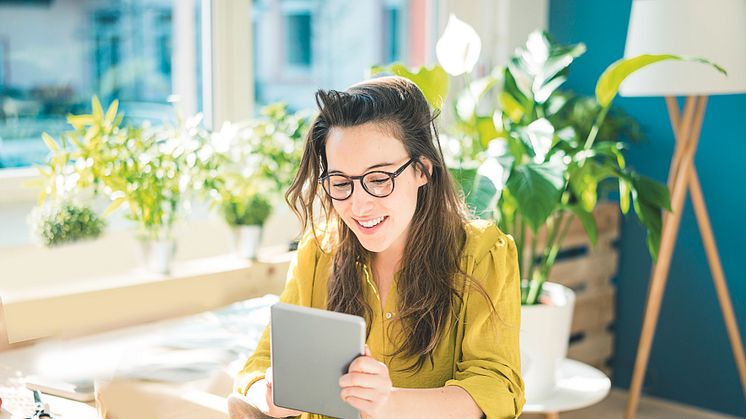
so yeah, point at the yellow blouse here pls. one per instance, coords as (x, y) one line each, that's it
(480, 355)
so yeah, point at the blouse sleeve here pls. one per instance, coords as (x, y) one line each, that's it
(297, 291)
(488, 366)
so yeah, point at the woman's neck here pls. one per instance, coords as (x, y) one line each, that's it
(389, 261)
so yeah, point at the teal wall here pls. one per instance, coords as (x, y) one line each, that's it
(691, 360)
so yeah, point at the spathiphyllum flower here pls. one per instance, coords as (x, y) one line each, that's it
(458, 48)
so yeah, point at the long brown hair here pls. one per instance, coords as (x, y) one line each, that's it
(430, 282)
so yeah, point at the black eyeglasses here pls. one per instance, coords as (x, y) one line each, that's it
(377, 183)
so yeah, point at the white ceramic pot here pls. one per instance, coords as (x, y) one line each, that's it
(545, 332)
(246, 240)
(157, 255)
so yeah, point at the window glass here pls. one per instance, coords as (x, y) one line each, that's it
(55, 55)
(300, 46)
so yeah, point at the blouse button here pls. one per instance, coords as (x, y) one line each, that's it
(388, 316)
(500, 241)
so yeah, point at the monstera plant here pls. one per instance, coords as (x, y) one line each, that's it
(518, 157)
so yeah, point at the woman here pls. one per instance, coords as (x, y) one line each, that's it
(440, 294)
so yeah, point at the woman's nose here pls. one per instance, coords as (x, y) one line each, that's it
(362, 201)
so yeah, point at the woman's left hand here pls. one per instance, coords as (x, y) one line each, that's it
(367, 385)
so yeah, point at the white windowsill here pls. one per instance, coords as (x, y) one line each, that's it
(98, 304)
(12, 181)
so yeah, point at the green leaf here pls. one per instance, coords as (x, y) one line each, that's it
(486, 129)
(483, 197)
(515, 95)
(466, 104)
(80, 121)
(624, 195)
(511, 107)
(537, 138)
(649, 199)
(584, 183)
(652, 191)
(111, 113)
(53, 147)
(542, 64)
(608, 84)
(433, 81)
(464, 178)
(98, 112)
(116, 203)
(537, 188)
(589, 222)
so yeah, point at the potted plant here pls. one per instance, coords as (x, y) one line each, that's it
(257, 160)
(64, 221)
(149, 169)
(523, 164)
(246, 217)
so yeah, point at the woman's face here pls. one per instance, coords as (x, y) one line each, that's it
(380, 224)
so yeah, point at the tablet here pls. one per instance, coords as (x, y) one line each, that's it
(311, 349)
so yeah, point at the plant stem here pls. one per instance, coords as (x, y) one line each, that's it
(554, 225)
(596, 126)
(534, 287)
(556, 246)
(522, 266)
(519, 242)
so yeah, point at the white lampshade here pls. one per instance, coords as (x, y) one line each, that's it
(710, 29)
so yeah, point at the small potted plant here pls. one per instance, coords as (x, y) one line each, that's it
(246, 216)
(64, 221)
(524, 163)
(147, 169)
(255, 162)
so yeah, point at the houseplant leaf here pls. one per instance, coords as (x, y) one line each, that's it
(608, 84)
(432, 81)
(537, 188)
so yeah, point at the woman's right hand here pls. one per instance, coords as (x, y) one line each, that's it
(260, 395)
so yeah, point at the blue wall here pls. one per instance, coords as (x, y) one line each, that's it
(691, 360)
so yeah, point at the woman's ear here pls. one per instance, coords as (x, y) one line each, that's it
(426, 164)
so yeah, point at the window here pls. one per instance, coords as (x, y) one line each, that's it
(391, 34)
(300, 46)
(116, 50)
(298, 39)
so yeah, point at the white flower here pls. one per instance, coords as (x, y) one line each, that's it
(458, 48)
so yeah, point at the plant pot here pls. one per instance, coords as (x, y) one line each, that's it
(545, 332)
(156, 256)
(246, 240)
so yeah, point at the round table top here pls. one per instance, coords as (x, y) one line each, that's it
(578, 385)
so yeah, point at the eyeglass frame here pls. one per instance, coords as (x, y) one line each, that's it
(392, 175)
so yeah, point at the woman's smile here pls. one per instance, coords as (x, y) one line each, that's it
(370, 225)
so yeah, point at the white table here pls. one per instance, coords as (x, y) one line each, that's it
(578, 385)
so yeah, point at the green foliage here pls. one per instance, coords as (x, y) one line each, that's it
(257, 161)
(253, 211)
(149, 170)
(540, 154)
(59, 223)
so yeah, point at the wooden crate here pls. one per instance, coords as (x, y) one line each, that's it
(588, 270)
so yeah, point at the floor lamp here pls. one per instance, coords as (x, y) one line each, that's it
(715, 30)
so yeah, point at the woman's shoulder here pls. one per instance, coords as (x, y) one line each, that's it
(483, 237)
(316, 240)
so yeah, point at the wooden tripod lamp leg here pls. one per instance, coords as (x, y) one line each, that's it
(690, 136)
(718, 276)
(708, 239)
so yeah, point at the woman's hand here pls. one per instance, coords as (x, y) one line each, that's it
(367, 385)
(260, 396)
